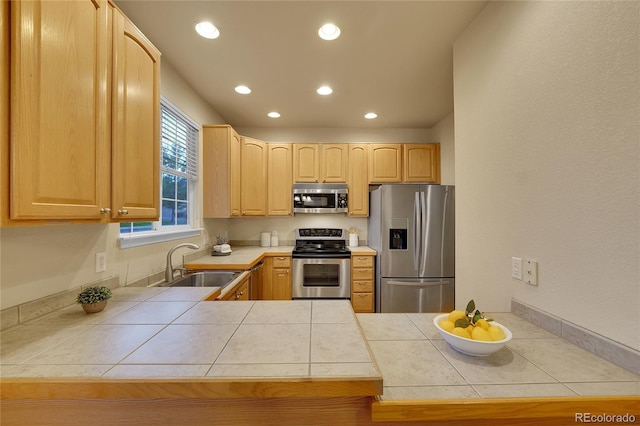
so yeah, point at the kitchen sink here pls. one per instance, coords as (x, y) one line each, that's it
(204, 279)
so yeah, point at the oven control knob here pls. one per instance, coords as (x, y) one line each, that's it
(342, 200)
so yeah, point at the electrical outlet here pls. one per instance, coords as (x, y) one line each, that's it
(516, 268)
(101, 262)
(531, 272)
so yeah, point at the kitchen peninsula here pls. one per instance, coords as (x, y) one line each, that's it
(160, 355)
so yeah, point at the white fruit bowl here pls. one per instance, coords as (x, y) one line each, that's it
(472, 347)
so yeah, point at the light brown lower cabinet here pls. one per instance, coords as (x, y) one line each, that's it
(276, 280)
(239, 292)
(362, 277)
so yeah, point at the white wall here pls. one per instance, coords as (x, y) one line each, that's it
(444, 133)
(38, 261)
(547, 160)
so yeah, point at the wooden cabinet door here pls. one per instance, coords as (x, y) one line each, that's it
(358, 180)
(221, 146)
(306, 162)
(281, 284)
(421, 162)
(385, 163)
(277, 278)
(235, 164)
(59, 146)
(279, 179)
(334, 162)
(5, 27)
(253, 193)
(135, 124)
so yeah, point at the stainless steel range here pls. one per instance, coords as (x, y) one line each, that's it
(321, 264)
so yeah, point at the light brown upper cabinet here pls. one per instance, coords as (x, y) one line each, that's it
(5, 26)
(385, 162)
(334, 160)
(253, 177)
(306, 162)
(221, 171)
(135, 123)
(358, 180)
(279, 179)
(59, 144)
(421, 163)
(69, 155)
(323, 162)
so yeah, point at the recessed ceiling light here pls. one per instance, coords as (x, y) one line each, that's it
(243, 90)
(370, 115)
(325, 90)
(274, 114)
(329, 32)
(207, 30)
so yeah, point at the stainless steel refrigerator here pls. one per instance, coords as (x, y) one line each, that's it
(412, 227)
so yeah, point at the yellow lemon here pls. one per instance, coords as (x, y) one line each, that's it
(454, 315)
(446, 325)
(482, 323)
(480, 333)
(461, 332)
(496, 333)
(469, 329)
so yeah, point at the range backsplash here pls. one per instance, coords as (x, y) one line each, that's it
(246, 231)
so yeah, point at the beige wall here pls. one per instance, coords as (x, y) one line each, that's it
(443, 132)
(547, 161)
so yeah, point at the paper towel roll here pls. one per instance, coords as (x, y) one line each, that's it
(265, 239)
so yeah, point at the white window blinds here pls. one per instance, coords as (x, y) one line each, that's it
(179, 142)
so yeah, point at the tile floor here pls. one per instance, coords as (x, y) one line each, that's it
(416, 363)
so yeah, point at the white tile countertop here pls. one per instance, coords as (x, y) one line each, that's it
(417, 364)
(156, 333)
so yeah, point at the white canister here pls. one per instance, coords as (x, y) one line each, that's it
(353, 240)
(265, 239)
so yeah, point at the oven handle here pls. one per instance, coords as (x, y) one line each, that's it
(321, 256)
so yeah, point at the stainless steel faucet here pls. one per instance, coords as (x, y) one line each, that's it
(168, 273)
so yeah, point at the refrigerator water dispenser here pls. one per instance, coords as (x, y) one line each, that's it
(397, 239)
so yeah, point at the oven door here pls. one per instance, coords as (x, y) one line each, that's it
(321, 278)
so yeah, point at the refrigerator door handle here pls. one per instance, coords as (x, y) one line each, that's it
(417, 228)
(418, 284)
(424, 225)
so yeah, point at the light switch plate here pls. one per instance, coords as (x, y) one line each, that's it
(531, 272)
(516, 268)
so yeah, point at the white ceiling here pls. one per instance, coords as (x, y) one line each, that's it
(393, 57)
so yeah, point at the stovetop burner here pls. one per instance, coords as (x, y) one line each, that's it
(325, 233)
(316, 242)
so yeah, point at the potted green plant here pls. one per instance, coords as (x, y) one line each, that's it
(94, 299)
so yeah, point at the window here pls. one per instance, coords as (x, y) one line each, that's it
(178, 174)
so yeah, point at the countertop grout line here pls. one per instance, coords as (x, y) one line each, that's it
(253, 304)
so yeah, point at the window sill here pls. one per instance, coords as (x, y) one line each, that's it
(143, 239)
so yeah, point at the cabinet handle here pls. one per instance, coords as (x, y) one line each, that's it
(123, 212)
(105, 210)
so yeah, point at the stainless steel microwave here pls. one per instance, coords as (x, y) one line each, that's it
(320, 198)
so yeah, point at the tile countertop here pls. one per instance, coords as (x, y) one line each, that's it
(535, 363)
(245, 257)
(214, 349)
(285, 348)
